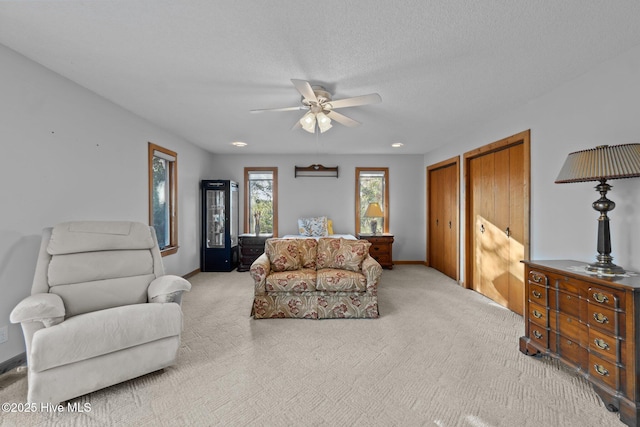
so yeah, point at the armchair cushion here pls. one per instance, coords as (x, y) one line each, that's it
(100, 332)
(100, 265)
(90, 236)
(46, 308)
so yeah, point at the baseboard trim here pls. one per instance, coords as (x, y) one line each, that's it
(410, 262)
(14, 362)
(193, 273)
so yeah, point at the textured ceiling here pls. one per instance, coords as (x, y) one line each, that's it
(197, 67)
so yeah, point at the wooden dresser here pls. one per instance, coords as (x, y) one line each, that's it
(250, 247)
(590, 323)
(381, 248)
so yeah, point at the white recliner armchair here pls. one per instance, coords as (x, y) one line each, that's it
(101, 310)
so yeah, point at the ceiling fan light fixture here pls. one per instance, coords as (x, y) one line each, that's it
(324, 122)
(308, 122)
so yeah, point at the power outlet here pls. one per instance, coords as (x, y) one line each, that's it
(4, 333)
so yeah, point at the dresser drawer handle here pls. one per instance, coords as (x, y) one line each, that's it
(536, 294)
(537, 278)
(537, 314)
(601, 344)
(537, 334)
(601, 370)
(601, 298)
(600, 318)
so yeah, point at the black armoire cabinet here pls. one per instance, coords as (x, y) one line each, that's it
(220, 222)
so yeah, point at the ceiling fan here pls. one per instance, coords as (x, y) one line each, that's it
(321, 107)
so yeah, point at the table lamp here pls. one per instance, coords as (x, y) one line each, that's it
(373, 211)
(600, 164)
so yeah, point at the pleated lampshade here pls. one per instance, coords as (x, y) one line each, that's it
(602, 162)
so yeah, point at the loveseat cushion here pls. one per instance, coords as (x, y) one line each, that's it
(100, 332)
(283, 254)
(342, 253)
(308, 250)
(292, 281)
(336, 280)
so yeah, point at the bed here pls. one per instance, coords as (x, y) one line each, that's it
(316, 227)
(336, 236)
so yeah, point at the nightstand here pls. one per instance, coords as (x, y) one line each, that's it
(250, 247)
(381, 248)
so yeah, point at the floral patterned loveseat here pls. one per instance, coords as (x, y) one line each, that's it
(316, 279)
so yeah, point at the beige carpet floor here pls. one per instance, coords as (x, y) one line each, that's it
(438, 355)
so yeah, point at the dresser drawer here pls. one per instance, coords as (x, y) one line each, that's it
(606, 298)
(382, 258)
(604, 371)
(380, 239)
(569, 303)
(571, 328)
(379, 249)
(571, 351)
(603, 319)
(539, 314)
(539, 335)
(606, 346)
(251, 250)
(537, 293)
(538, 278)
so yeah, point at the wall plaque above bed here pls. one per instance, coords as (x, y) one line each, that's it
(316, 171)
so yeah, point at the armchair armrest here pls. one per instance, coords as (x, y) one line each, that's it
(259, 270)
(372, 270)
(167, 288)
(44, 307)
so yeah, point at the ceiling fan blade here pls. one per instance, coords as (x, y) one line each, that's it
(342, 119)
(280, 109)
(372, 98)
(305, 90)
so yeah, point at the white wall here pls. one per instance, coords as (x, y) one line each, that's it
(600, 107)
(69, 154)
(335, 198)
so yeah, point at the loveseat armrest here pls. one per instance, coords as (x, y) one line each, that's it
(259, 270)
(372, 270)
(168, 288)
(44, 307)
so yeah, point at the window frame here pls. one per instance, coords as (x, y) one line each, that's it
(274, 195)
(173, 195)
(385, 207)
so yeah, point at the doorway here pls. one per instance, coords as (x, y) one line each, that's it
(497, 202)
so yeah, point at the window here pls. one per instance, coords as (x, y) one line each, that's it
(372, 186)
(261, 200)
(163, 197)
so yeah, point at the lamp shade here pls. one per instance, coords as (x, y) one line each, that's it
(373, 210)
(324, 122)
(308, 122)
(602, 162)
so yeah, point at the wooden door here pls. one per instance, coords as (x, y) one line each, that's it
(442, 224)
(497, 220)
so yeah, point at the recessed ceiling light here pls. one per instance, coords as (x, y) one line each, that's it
(397, 144)
(239, 144)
